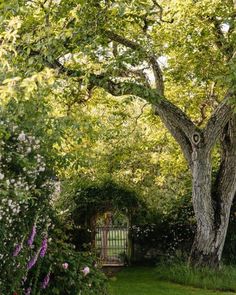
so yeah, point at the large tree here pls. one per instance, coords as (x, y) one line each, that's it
(177, 55)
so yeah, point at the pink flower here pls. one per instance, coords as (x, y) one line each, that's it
(65, 265)
(86, 270)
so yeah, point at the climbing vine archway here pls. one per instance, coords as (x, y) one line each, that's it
(107, 211)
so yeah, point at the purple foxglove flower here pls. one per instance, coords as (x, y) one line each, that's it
(32, 261)
(46, 281)
(28, 291)
(17, 250)
(32, 236)
(44, 247)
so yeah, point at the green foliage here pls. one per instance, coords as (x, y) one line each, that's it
(230, 244)
(53, 52)
(93, 200)
(157, 235)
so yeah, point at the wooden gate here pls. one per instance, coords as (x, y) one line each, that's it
(112, 245)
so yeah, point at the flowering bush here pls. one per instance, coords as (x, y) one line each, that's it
(33, 259)
(73, 272)
(24, 207)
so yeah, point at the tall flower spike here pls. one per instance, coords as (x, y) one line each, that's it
(28, 291)
(32, 236)
(46, 281)
(33, 260)
(17, 250)
(44, 247)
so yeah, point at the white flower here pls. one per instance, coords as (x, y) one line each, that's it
(1, 176)
(21, 136)
(29, 150)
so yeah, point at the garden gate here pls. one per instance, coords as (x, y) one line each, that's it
(111, 244)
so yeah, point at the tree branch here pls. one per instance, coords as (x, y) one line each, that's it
(177, 116)
(179, 125)
(151, 58)
(218, 121)
(138, 73)
(176, 121)
(117, 88)
(161, 12)
(225, 184)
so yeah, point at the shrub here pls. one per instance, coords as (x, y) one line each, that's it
(166, 235)
(73, 272)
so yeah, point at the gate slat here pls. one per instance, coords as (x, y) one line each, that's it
(114, 249)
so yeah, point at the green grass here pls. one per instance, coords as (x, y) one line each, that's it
(223, 279)
(143, 281)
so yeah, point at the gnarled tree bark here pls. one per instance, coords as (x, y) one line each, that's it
(212, 203)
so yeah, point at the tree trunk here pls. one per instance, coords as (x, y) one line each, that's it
(202, 204)
(212, 203)
(209, 242)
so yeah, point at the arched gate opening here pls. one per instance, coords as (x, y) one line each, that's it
(112, 241)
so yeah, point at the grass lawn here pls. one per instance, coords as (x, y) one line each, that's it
(143, 281)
